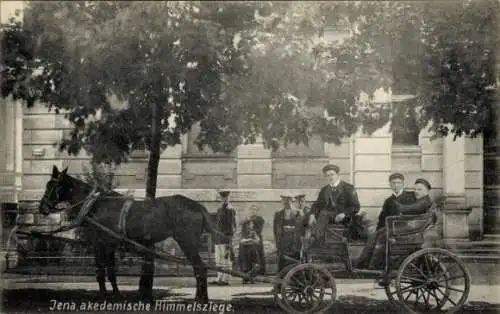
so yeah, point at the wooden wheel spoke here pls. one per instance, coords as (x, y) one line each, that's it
(301, 297)
(434, 296)
(412, 279)
(408, 296)
(287, 295)
(296, 280)
(316, 281)
(417, 296)
(417, 268)
(428, 265)
(413, 288)
(450, 278)
(426, 300)
(451, 288)
(448, 269)
(447, 297)
(313, 295)
(293, 287)
(328, 293)
(304, 276)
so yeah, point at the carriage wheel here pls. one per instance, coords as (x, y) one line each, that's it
(308, 288)
(277, 287)
(433, 280)
(392, 292)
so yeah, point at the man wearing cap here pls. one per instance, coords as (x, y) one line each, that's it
(285, 228)
(226, 224)
(337, 202)
(396, 181)
(421, 205)
(423, 201)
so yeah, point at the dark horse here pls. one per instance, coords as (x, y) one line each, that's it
(146, 222)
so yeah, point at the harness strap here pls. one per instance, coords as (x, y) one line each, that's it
(122, 222)
(87, 205)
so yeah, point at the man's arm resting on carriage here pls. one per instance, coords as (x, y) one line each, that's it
(421, 206)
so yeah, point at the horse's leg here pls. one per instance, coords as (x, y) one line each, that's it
(190, 249)
(100, 264)
(148, 270)
(111, 269)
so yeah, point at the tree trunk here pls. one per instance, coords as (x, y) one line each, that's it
(154, 152)
(148, 267)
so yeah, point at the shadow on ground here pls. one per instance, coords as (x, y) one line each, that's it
(38, 301)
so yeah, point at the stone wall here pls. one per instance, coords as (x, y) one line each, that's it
(255, 173)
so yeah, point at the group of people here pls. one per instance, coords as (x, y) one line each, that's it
(337, 203)
(251, 257)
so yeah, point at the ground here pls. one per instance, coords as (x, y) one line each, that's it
(34, 294)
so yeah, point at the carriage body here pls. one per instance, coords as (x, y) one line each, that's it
(420, 279)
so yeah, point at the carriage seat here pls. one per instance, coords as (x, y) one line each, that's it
(405, 235)
(408, 225)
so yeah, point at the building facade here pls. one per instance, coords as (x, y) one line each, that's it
(257, 175)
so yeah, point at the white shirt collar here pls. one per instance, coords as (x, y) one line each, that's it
(335, 184)
(398, 194)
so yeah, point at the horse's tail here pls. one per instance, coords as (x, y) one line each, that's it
(209, 225)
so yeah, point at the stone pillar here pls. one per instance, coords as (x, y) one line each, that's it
(455, 211)
(254, 166)
(18, 155)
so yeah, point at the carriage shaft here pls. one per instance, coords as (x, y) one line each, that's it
(167, 257)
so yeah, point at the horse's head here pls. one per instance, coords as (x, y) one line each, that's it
(57, 190)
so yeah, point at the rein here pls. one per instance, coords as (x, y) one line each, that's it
(87, 202)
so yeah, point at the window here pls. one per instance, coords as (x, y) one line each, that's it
(406, 61)
(315, 148)
(140, 151)
(404, 127)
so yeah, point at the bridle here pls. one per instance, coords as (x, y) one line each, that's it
(89, 199)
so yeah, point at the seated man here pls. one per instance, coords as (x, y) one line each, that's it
(337, 202)
(396, 181)
(421, 206)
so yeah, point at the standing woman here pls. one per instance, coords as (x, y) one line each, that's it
(286, 231)
(251, 257)
(258, 223)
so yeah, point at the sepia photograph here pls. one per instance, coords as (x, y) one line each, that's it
(300, 157)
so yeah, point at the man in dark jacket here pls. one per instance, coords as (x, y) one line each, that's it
(396, 181)
(226, 224)
(337, 202)
(421, 205)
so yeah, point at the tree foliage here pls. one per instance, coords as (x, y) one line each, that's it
(249, 69)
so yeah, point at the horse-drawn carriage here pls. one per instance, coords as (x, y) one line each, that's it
(421, 280)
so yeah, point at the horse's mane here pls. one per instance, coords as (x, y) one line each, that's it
(88, 188)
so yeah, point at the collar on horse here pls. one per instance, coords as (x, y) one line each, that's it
(122, 222)
(86, 206)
